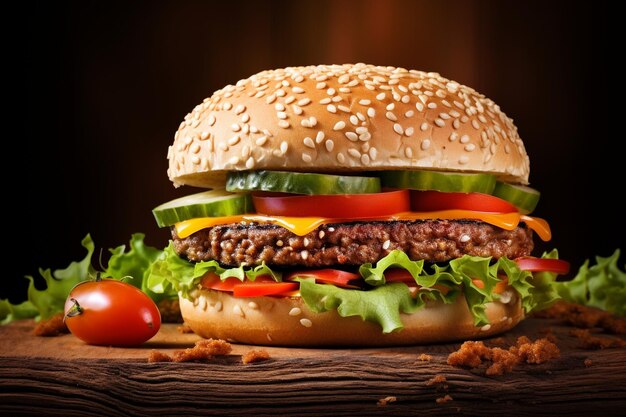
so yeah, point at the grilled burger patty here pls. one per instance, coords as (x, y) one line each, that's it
(352, 243)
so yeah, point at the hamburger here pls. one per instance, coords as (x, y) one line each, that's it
(352, 205)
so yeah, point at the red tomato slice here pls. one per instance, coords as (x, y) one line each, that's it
(530, 263)
(212, 281)
(328, 276)
(335, 205)
(437, 200)
(399, 275)
(257, 289)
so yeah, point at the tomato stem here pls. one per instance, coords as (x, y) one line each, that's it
(75, 310)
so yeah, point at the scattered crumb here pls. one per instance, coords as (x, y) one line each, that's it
(384, 401)
(588, 362)
(437, 379)
(170, 311)
(255, 356)
(586, 317)
(184, 328)
(473, 354)
(589, 341)
(444, 399)
(203, 349)
(54, 326)
(156, 356)
(424, 357)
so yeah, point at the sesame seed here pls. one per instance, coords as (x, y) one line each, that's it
(319, 137)
(409, 113)
(425, 144)
(475, 124)
(398, 129)
(386, 244)
(195, 160)
(295, 311)
(354, 120)
(371, 112)
(270, 99)
(405, 99)
(321, 234)
(304, 101)
(360, 116)
(339, 125)
(297, 90)
(380, 96)
(424, 126)
(233, 141)
(419, 106)
(320, 86)
(354, 152)
(227, 106)
(341, 158)
(195, 148)
(312, 121)
(455, 123)
(306, 322)
(444, 116)
(470, 147)
(240, 109)
(253, 305)
(364, 102)
(283, 123)
(440, 122)
(454, 113)
(290, 100)
(409, 131)
(331, 229)
(408, 152)
(331, 91)
(453, 136)
(280, 92)
(281, 115)
(446, 103)
(463, 160)
(307, 158)
(361, 129)
(331, 108)
(465, 139)
(465, 238)
(391, 116)
(352, 136)
(283, 147)
(390, 106)
(304, 254)
(336, 99)
(308, 142)
(238, 311)
(234, 160)
(279, 107)
(245, 118)
(344, 90)
(250, 163)
(279, 243)
(211, 120)
(373, 153)
(235, 127)
(344, 108)
(486, 327)
(482, 118)
(325, 100)
(329, 145)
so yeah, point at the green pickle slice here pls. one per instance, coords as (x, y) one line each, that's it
(439, 181)
(214, 203)
(521, 196)
(301, 183)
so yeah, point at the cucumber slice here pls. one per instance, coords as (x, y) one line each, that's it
(521, 196)
(214, 203)
(439, 181)
(301, 183)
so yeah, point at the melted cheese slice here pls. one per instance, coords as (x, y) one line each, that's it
(304, 225)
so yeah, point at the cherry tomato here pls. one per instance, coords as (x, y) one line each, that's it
(530, 263)
(336, 205)
(437, 200)
(111, 312)
(329, 276)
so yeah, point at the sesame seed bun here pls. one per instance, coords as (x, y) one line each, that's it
(345, 118)
(287, 321)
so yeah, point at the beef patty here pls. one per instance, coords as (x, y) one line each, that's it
(352, 243)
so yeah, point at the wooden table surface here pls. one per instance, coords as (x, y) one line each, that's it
(62, 376)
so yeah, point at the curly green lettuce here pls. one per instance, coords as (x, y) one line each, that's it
(602, 285)
(43, 304)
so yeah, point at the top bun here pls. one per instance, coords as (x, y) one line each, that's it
(337, 118)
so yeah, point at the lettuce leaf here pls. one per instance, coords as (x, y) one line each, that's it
(43, 304)
(602, 285)
(382, 303)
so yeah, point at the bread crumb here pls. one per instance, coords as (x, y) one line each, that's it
(585, 317)
(384, 401)
(255, 356)
(588, 341)
(444, 399)
(437, 379)
(472, 354)
(203, 349)
(424, 357)
(588, 362)
(54, 326)
(184, 329)
(156, 356)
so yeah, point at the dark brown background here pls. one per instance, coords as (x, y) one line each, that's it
(107, 85)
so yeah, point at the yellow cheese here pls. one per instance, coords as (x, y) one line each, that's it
(304, 225)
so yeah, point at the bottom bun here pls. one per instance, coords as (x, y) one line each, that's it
(287, 321)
